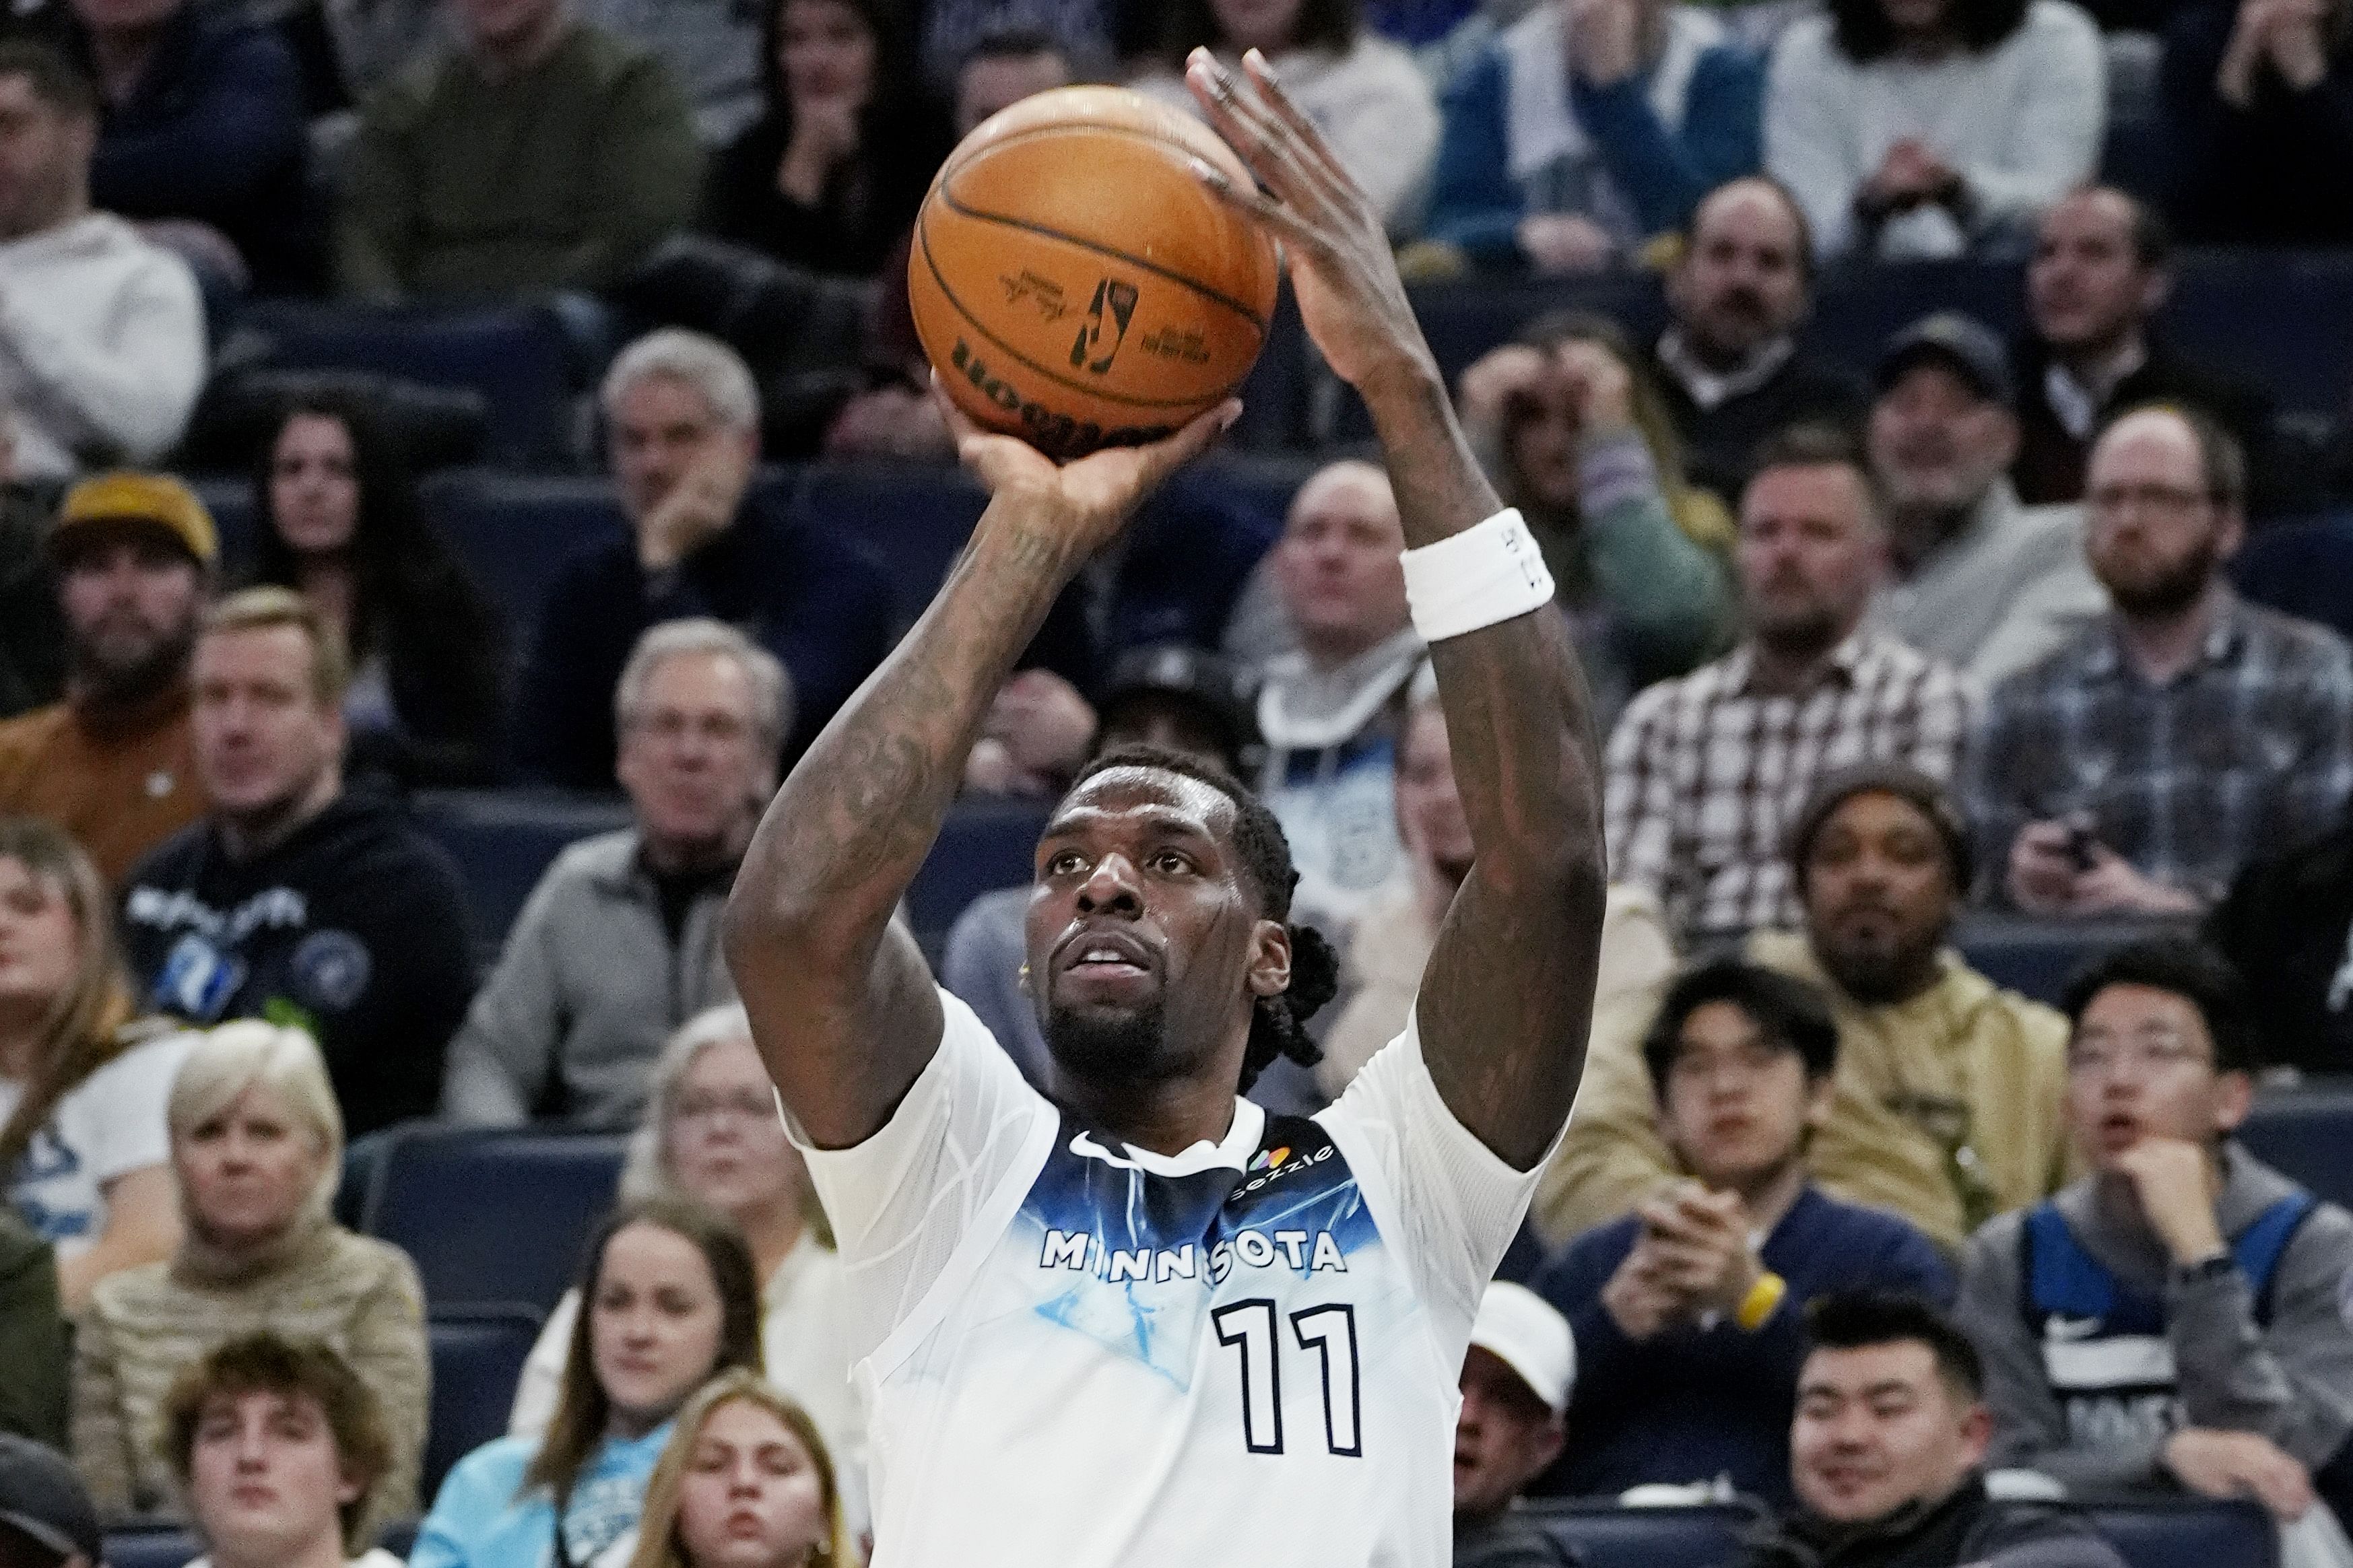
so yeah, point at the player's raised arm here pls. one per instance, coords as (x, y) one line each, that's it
(842, 1005)
(1508, 993)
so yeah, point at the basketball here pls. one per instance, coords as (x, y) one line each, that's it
(1075, 283)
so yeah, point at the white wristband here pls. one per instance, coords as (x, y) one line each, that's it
(1485, 574)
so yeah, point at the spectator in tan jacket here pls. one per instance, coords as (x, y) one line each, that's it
(256, 1149)
(1948, 1104)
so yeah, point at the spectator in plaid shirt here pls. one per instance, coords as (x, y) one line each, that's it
(1706, 772)
(2141, 766)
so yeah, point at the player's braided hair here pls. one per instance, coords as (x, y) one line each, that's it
(1279, 1023)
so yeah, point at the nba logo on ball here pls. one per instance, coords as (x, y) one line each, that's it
(1075, 284)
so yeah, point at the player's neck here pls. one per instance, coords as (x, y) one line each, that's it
(1167, 1116)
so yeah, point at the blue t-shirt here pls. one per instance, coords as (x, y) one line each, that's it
(478, 1520)
(1693, 1404)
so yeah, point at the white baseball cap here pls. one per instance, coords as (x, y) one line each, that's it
(1519, 1329)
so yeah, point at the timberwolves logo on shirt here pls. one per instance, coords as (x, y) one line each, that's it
(329, 970)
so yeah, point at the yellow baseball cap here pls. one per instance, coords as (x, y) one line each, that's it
(157, 499)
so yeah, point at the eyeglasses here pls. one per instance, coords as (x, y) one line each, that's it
(2098, 1059)
(2170, 502)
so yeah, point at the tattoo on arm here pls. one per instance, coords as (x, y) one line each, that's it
(840, 999)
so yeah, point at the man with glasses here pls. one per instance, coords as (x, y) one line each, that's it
(2168, 1321)
(2135, 770)
(619, 942)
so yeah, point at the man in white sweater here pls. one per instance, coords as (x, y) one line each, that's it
(101, 334)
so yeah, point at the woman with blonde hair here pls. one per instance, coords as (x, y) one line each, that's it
(711, 1133)
(746, 1482)
(83, 1152)
(256, 1145)
(1574, 433)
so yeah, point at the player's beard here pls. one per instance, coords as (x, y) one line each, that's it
(1098, 1045)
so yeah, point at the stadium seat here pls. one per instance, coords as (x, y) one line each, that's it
(2037, 958)
(229, 498)
(914, 517)
(525, 1248)
(2306, 1132)
(984, 844)
(2189, 1533)
(478, 1356)
(2304, 567)
(504, 839)
(516, 534)
(514, 357)
(152, 1546)
(1604, 1535)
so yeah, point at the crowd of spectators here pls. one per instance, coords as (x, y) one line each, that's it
(1885, 652)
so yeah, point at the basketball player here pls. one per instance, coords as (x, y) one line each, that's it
(1152, 1324)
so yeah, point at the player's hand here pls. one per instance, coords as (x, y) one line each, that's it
(1350, 298)
(1086, 502)
(2235, 1464)
(2173, 1178)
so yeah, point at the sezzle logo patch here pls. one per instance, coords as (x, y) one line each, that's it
(1273, 1164)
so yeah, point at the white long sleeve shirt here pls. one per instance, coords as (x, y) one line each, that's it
(2022, 122)
(102, 345)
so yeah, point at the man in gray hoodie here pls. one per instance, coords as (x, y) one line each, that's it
(2168, 1322)
(619, 944)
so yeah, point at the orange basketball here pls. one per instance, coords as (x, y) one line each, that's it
(1075, 284)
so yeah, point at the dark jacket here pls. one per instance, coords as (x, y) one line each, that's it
(1718, 442)
(32, 633)
(2286, 925)
(214, 131)
(819, 603)
(1966, 1528)
(33, 1354)
(354, 927)
(1692, 1403)
(866, 207)
(2050, 466)
(2279, 172)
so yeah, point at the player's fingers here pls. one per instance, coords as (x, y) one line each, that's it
(1288, 228)
(1164, 457)
(1260, 139)
(1309, 136)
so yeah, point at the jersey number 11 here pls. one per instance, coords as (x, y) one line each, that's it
(1250, 1327)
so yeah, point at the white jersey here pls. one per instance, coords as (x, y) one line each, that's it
(1080, 1353)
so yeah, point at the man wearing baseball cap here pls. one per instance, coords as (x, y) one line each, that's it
(45, 1518)
(1516, 1380)
(135, 556)
(1975, 579)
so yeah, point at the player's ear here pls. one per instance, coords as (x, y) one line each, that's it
(1270, 964)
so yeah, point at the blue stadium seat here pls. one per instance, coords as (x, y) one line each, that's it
(2189, 1533)
(503, 840)
(984, 844)
(478, 1356)
(230, 500)
(2161, 1533)
(913, 516)
(2308, 1134)
(152, 1546)
(516, 534)
(2304, 567)
(514, 357)
(2037, 958)
(2280, 318)
(1605, 1535)
(525, 1248)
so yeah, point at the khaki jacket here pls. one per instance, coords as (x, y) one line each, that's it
(1948, 1109)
